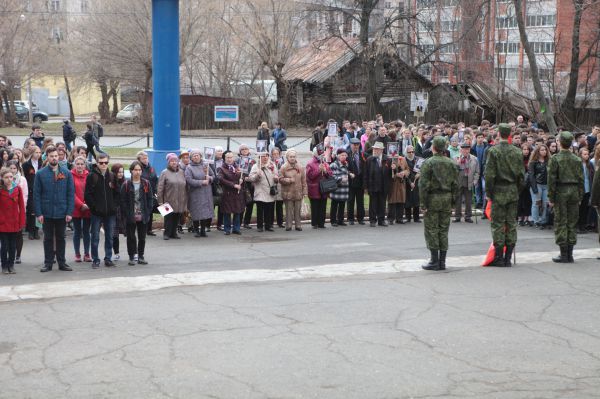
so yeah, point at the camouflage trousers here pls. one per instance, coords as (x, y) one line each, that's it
(566, 214)
(436, 225)
(504, 224)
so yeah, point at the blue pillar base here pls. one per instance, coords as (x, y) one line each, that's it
(158, 159)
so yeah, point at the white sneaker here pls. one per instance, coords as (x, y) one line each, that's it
(116, 257)
(135, 257)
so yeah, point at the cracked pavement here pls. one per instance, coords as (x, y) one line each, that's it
(531, 331)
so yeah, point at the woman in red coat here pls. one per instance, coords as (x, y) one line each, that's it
(12, 204)
(81, 212)
(316, 170)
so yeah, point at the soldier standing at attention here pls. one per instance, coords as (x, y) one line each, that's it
(438, 189)
(504, 180)
(565, 190)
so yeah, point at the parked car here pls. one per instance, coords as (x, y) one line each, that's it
(23, 114)
(130, 113)
(25, 103)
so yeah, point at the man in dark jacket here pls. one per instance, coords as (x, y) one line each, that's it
(149, 174)
(377, 182)
(54, 200)
(68, 134)
(356, 167)
(318, 135)
(37, 135)
(101, 195)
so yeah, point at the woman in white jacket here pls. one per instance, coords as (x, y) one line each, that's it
(264, 177)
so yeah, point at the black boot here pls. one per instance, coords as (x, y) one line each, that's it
(4, 269)
(203, 231)
(11, 268)
(498, 256)
(197, 228)
(564, 255)
(434, 262)
(508, 255)
(442, 260)
(36, 234)
(570, 253)
(47, 268)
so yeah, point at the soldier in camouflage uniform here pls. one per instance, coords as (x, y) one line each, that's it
(565, 190)
(438, 188)
(504, 180)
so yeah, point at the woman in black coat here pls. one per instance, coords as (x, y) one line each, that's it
(29, 170)
(136, 211)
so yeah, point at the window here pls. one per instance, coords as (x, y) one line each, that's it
(541, 20)
(449, 3)
(388, 4)
(424, 69)
(426, 49)
(450, 48)
(544, 74)
(542, 47)
(426, 26)
(450, 26)
(54, 5)
(506, 22)
(426, 3)
(85, 7)
(506, 73)
(56, 34)
(442, 72)
(508, 48)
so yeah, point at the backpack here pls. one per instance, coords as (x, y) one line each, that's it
(100, 130)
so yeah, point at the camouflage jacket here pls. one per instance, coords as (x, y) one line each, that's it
(504, 171)
(564, 169)
(438, 185)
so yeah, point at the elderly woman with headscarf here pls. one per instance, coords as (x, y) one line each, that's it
(316, 170)
(172, 190)
(232, 201)
(293, 189)
(265, 177)
(199, 177)
(245, 163)
(278, 207)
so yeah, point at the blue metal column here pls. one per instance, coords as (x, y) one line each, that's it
(165, 79)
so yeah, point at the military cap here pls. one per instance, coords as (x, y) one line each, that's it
(565, 138)
(439, 143)
(504, 129)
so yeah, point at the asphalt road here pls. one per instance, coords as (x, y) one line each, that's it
(334, 313)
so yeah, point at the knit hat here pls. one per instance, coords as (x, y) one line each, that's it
(171, 155)
(195, 151)
(289, 153)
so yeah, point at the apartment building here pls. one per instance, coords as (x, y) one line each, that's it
(459, 40)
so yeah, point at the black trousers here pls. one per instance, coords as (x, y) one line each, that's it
(356, 195)
(248, 212)
(414, 212)
(54, 240)
(219, 216)
(116, 245)
(19, 243)
(278, 212)
(336, 211)
(377, 207)
(395, 212)
(30, 221)
(584, 210)
(171, 221)
(318, 208)
(8, 247)
(264, 214)
(136, 245)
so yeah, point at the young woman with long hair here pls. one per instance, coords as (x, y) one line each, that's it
(538, 184)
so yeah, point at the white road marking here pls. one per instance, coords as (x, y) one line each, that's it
(114, 285)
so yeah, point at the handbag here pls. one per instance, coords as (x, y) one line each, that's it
(272, 189)
(304, 210)
(328, 185)
(217, 192)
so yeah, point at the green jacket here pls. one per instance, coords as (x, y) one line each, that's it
(564, 169)
(438, 185)
(504, 172)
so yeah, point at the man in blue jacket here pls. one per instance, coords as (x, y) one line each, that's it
(53, 198)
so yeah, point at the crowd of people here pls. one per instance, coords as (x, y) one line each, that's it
(54, 186)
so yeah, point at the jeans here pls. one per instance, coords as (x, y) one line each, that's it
(136, 246)
(236, 222)
(480, 192)
(109, 224)
(542, 195)
(8, 247)
(54, 240)
(81, 229)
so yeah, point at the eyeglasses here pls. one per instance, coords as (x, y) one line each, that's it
(102, 163)
(410, 152)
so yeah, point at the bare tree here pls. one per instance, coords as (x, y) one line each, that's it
(269, 29)
(535, 77)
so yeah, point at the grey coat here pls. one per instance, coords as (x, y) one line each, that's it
(200, 198)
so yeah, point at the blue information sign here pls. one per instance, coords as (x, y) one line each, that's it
(227, 113)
